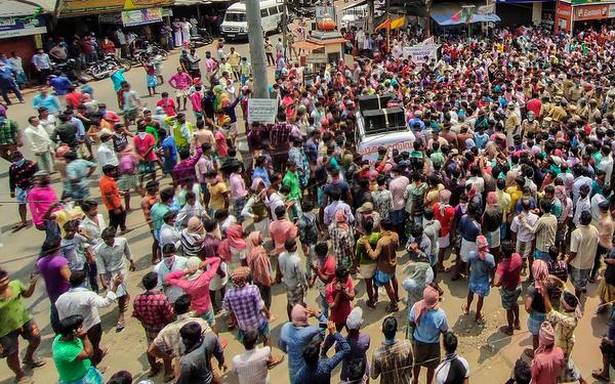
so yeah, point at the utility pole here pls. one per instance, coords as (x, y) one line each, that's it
(257, 49)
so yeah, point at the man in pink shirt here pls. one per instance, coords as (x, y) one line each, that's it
(280, 230)
(40, 198)
(397, 186)
(196, 99)
(239, 193)
(194, 281)
(548, 359)
(181, 83)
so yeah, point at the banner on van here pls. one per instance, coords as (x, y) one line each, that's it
(262, 110)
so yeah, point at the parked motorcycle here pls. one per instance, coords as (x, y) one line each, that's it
(69, 68)
(149, 50)
(105, 67)
(203, 37)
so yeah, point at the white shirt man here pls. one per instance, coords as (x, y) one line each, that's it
(40, 143)
(105, 154)
(170, 263)
(81, 301)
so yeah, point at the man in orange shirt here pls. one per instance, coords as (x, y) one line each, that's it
(112, 197)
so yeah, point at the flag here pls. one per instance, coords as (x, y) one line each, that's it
(384, 25)
(400, 22)
(456, 17)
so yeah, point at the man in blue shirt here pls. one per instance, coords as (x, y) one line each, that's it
(426, 321)
(60, 84)
(296, 334)
(117, 78)
(318, 369)
(46, 100)
(7, 83)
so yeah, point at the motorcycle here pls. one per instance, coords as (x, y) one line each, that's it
(69, 69)
(201, 38)
(150, 50)
(105, 67)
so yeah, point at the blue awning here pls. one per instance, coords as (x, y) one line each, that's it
(446, 14)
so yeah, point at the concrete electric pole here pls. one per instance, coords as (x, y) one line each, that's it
(257, 49)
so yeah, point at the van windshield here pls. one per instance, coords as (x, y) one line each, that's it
(235, 16)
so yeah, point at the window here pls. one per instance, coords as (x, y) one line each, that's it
(280, 9)
(235, 16)
(264, 13)
(273, 11)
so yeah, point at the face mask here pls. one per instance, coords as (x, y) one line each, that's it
(142, 135)
(19, 162)
(168, 261)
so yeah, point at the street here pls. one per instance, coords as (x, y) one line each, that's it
(489, 351)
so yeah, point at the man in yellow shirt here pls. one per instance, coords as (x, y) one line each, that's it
(218, 193)
(515, 192)
(233, 60)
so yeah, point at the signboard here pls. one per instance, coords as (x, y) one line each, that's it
(591, 12)
(141, 17)
(563, 17)
(316, 58)
(21, 26)
(262, 110)
(417, 53)
(72, 8)
(577, 2)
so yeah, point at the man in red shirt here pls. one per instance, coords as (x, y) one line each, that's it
(444, 213)
(534, 105)
(73, 98)
(339, 293)
(112, 197)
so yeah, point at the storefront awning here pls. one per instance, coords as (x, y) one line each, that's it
(354, 5)
(446, 14)
(21, 18)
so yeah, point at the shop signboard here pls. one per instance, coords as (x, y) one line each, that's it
(579, 2)
(417, 53)
(262, 110)
(591, 12)
(72, 8)
(316, 58)
(141, 17)
(21, 26)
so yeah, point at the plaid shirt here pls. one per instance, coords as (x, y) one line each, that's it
(8, 132)
(246, 304)
(153, 310)
(393, 362)
(279, 136)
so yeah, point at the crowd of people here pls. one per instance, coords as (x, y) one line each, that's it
(508, 184)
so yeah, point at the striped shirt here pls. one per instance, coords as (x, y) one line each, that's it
(545, 230)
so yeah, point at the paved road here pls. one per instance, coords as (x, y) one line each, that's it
(491, 354)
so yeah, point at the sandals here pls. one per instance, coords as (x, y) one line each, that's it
(34, 363)
(391, 308)
(598, 375)
(120, 327)
(275, 360)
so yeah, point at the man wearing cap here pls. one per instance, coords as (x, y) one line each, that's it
(40, 143)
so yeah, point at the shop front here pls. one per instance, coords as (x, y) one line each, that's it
(578, 14)
(526, 12)
(21, 29)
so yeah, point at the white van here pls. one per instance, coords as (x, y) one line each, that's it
(235, 24)
(400, 138)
